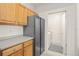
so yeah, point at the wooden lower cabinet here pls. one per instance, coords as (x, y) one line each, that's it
(12, 50)
(23, 49)
(0, 53)
(18, 53)
(28, 51)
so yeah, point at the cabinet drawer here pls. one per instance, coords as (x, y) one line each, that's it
(18, 47)
(18, 53)
(8, 51)
(28, 43)
(11, 50)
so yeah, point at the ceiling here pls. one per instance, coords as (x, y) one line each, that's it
(41, 7)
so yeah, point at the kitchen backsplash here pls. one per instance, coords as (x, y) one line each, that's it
(9, 30)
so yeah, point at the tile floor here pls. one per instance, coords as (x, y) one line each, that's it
(50, 53)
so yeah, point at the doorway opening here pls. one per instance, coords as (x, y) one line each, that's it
(56, 33)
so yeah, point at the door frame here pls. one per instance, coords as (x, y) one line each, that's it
(70, 28)
(65, 42)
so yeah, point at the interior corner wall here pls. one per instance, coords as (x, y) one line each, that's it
(77, 29)
(70, 29)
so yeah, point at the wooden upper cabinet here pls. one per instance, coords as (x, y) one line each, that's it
(7, 12)
(20, 11)
(31, 13)
(28, 12)
(14, 13)
(21, 15)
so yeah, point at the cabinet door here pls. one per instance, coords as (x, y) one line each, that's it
(18, 53)
(21, 15)
(7, 12)
(28, 12)
(11, 11)
(25, 16)
(31, 13)
(27, 43)
(28, 51)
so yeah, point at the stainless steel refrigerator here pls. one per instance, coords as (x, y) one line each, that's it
(36, 29)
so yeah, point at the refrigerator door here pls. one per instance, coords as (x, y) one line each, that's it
(42, 35)
(37, 37)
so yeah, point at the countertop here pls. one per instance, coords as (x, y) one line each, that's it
(10, 41)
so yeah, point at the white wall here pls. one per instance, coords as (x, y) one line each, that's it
(77, 29)
(70, 28)
(56, 26)
(9, 30)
